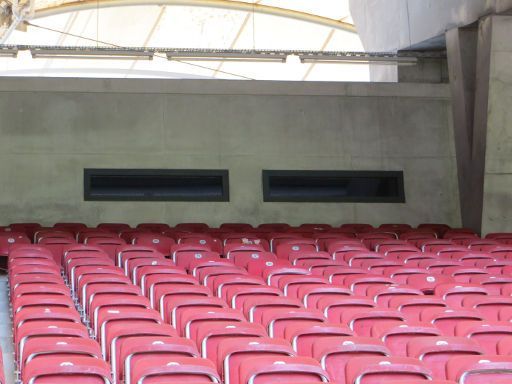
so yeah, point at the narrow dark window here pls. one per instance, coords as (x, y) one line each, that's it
(334, 186)
(156, 185)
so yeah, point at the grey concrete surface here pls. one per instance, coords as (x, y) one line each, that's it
(6, 343)
(51, 129)
(464, 47)
(497, 211)
(425, 71)
(389, 25)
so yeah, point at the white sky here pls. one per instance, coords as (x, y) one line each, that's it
(190, 27)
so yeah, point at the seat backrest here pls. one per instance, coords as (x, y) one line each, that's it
(232, 352)
(435, 352)
(263, 370)
(480, 369)
(334, 353)
(376, 370)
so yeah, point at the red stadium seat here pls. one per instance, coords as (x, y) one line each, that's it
(378, 370)
(291, 284)
(488, 306)
(162, 267)
(237, 295)
(440, 229)
(295, 247)
(71, 227)
(462, 274)
(131, 350)
(338, 249)
(172, 310)
(47, 313)
(68, 369)
(334, 353)
(236, 227)
(302, 336)
(396, 336)
(334, 307)
(163, 369)
(382, 295)
(191, 320)
(435, 352)
(354, 259)
(446, 319)
(133, 252)
(213, 244)
(122, 331)
(486, 333)
(52, 233)
(358, 228)
(154, 227)
(243, 258)
(206, 271)
(41, 329)
(359, 284)
(57, 246)
(113, 227)
(484, 369)
(360, 320)
(400, 274)
(160, 285)
(338, 274)
(277, 320)
(92, 233)
(454, 294)
(234, 239)
(185, 254)
(42, 347)
(413, 259)
(411, 306)
(311, 294)
(266, 370)
(232, 352)
(426, 282)
(428, 245)
(192, 227)
(8, 239)
(493, 284)
(277, 238)
(28, 228)
(160, 243)
(210, 335)
(254, 307)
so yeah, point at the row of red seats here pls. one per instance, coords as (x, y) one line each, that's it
(185, 305)
(169, 241)
(35, 231)
(214, 275)
(50, 342)
(246, 281)
(115, 317)
(232, 227)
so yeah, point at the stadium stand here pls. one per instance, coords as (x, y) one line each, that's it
(185, 310)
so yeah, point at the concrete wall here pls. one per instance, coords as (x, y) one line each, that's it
(497, 209)
(50, 129)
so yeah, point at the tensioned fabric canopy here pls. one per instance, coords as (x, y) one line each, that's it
(319, 25)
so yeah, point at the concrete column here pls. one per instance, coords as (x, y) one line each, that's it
(463, 48)
(497, 193)
(480, 72)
